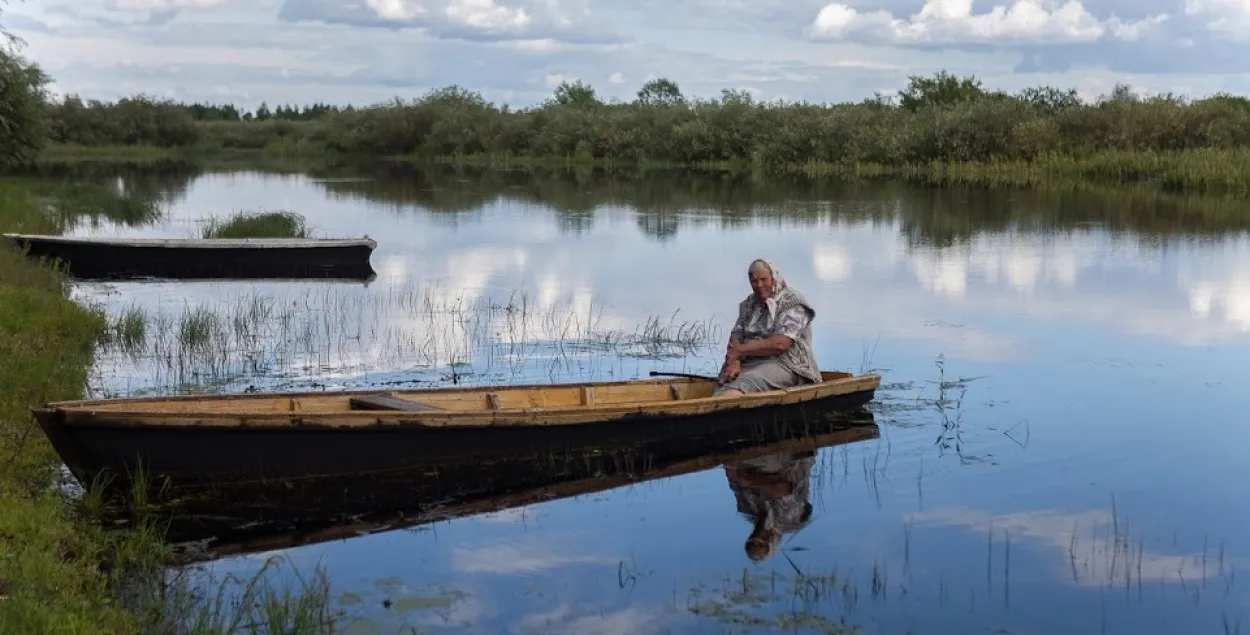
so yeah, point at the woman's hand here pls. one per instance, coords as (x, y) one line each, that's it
(730, 370)
(767, 347)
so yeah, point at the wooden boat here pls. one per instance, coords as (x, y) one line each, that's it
(103, 258)
(216, 440)
(472, 490)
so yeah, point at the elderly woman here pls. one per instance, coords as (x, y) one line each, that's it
(770, 346)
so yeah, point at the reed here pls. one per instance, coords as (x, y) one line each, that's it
(280, 224)
(194, 600)
(411, 334)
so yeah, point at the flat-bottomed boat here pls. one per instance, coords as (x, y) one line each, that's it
(105, 258)
(256, 437)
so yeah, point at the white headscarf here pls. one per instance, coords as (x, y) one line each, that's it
(779, 283)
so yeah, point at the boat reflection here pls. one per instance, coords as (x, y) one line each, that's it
(768, 468)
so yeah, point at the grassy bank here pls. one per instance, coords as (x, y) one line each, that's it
(60, 571)
(50, 561)
(941, 128)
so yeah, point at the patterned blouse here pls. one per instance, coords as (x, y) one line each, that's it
(789, 323)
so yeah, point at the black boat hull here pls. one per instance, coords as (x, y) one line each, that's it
(117, 260)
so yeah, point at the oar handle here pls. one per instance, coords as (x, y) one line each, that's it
(657, 373)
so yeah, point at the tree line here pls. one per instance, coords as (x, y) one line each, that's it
(942, 117)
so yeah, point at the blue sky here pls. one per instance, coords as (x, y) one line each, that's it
(515, 51)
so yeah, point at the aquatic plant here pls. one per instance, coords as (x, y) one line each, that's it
(409, 335)
(280, 224)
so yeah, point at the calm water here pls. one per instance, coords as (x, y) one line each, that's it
(1087, 477)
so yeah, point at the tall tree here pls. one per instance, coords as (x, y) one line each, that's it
(23, 103)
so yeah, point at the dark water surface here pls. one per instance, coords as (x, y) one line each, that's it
(1084, 479)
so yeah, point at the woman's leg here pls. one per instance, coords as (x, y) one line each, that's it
(759, 375)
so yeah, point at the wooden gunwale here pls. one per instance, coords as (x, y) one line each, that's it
(81, 413)
(197, 243)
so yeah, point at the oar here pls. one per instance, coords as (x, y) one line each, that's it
(657, 373)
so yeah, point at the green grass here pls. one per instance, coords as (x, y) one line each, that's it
(260, 225)
(60, 571)
(49, 561)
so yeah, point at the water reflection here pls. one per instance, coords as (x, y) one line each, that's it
(894, 269)
(772, 493)
(236, 520)
(1102, 430)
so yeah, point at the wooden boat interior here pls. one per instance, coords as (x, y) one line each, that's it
(642, 393)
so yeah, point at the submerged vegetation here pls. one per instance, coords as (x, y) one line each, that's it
(938, 128)
(258, 225)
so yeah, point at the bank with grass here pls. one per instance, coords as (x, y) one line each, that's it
(942, 129)
(58, 569)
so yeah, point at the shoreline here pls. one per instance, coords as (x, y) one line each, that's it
(1207, 172)
(73, 574)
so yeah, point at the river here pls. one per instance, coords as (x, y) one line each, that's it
(1077, 471)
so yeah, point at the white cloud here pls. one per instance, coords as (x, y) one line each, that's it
(365, 51)
(953, 21)
(1225, 17)
(1085, 545)
(161, 5)
(512, 559)
(479, 14)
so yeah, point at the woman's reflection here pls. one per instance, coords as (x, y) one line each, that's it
(772, 492)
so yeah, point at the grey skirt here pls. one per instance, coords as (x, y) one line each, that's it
(760, 374)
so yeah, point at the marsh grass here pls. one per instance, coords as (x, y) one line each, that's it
(429, 333)
(279, 224)
(194, 600)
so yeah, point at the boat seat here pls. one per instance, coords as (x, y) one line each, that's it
(387, 402)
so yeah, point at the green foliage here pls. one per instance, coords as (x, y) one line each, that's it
(939, 119)
(943, 89)
(22, 109)
(263, 225)
(574, 95)
(137, 120)
(660, 93)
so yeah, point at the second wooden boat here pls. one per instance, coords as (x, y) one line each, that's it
(103, 258)
(251, 438)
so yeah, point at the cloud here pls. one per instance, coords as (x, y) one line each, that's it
(1086, 546)
(512, 559)
(476, 20)
(365, 51)
(160, 5)
(564, 619)
(953, 22)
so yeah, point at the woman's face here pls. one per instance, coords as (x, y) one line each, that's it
(761, 282)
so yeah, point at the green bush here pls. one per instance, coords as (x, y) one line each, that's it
(23, 108)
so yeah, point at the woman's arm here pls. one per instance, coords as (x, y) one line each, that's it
(789, 324)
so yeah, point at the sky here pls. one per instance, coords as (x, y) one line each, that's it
(516, 51)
